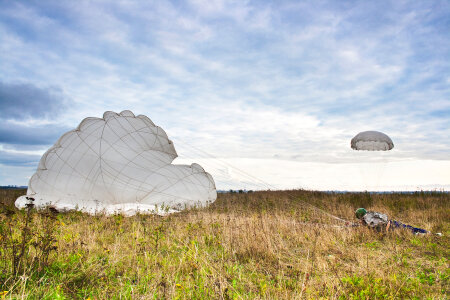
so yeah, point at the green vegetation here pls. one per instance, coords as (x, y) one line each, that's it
(258, 245)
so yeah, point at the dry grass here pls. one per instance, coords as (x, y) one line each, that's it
(259, 245)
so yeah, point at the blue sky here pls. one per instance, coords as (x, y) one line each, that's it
(276, 89)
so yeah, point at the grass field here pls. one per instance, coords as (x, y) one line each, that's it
(257, 245)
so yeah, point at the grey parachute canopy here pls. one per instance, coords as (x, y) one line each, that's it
(118, 163)
(372, 141)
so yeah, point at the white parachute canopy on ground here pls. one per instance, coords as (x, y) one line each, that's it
(118, 163)
(372, 141)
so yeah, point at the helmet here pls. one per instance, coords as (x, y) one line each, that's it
(360, 212)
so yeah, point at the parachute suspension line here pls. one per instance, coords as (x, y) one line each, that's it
(378, 174)
(224, 163)
(382, 169)
(261, 182)
(372, 174)
(218, 165)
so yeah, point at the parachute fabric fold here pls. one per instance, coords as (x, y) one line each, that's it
(118, 163)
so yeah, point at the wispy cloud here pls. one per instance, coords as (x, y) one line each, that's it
(12, 158)
(19, 101)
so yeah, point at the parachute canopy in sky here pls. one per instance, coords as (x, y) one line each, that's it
(372, 141)
(118, 163)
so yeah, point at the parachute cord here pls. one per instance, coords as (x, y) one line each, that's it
(267, 185)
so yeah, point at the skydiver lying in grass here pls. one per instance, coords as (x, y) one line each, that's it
(380, 222)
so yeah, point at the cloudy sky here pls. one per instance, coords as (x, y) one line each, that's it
(260, 93)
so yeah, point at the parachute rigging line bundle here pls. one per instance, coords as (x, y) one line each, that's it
(120, 163)
(372, 141)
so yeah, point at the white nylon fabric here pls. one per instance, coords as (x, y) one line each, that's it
(120, 163)
(372, 141)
